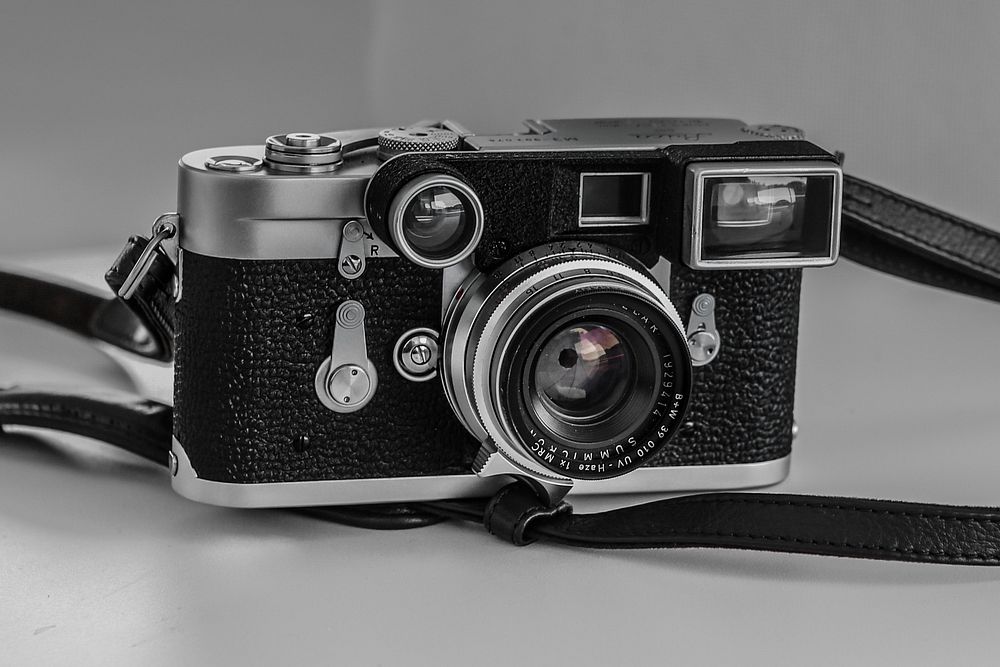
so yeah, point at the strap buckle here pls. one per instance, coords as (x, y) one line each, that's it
(164, 228)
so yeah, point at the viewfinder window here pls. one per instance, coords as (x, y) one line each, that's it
(764, 215)
(614, 199)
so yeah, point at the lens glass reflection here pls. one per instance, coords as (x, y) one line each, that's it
(779, 216)
(435, 222)
(583, 372)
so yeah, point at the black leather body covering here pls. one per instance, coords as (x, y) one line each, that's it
(251, 335)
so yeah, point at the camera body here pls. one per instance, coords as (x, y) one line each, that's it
(602, 306)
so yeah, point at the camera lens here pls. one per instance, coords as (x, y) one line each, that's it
(436, 220)
(572, 360)
(582, 372)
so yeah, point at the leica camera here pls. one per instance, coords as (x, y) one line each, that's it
(418, 313)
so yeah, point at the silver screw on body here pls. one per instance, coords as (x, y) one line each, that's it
(421, 355)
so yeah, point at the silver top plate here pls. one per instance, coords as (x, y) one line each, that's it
(616, 133)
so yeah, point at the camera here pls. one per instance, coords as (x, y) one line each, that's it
(418, 313)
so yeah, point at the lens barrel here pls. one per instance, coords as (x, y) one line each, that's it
(570, 357)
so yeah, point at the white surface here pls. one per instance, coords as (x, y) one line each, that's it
(897, 397)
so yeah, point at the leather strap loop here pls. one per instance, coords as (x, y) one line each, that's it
(153, 301)
(514, 509)
(894, 234)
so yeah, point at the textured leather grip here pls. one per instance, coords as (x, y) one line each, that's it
(897, 235)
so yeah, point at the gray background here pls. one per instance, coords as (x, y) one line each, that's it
(897, 391)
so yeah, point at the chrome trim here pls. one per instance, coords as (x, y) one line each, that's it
(268, 215)
(694, 188)
(437, 487)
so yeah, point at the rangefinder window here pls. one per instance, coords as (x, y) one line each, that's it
(614, 199)
(768, 215)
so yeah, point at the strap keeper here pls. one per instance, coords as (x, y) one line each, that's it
(142, 321)
(164, 228)
(514, 509)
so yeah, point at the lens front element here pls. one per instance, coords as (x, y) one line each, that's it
(582, 372)
(436, 220)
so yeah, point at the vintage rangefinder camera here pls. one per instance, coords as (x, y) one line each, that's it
(420, 313)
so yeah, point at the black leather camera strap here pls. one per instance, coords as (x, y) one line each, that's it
(142, 324)
(830, 526)
(897, 235)
(135, 424)
(880, 229)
